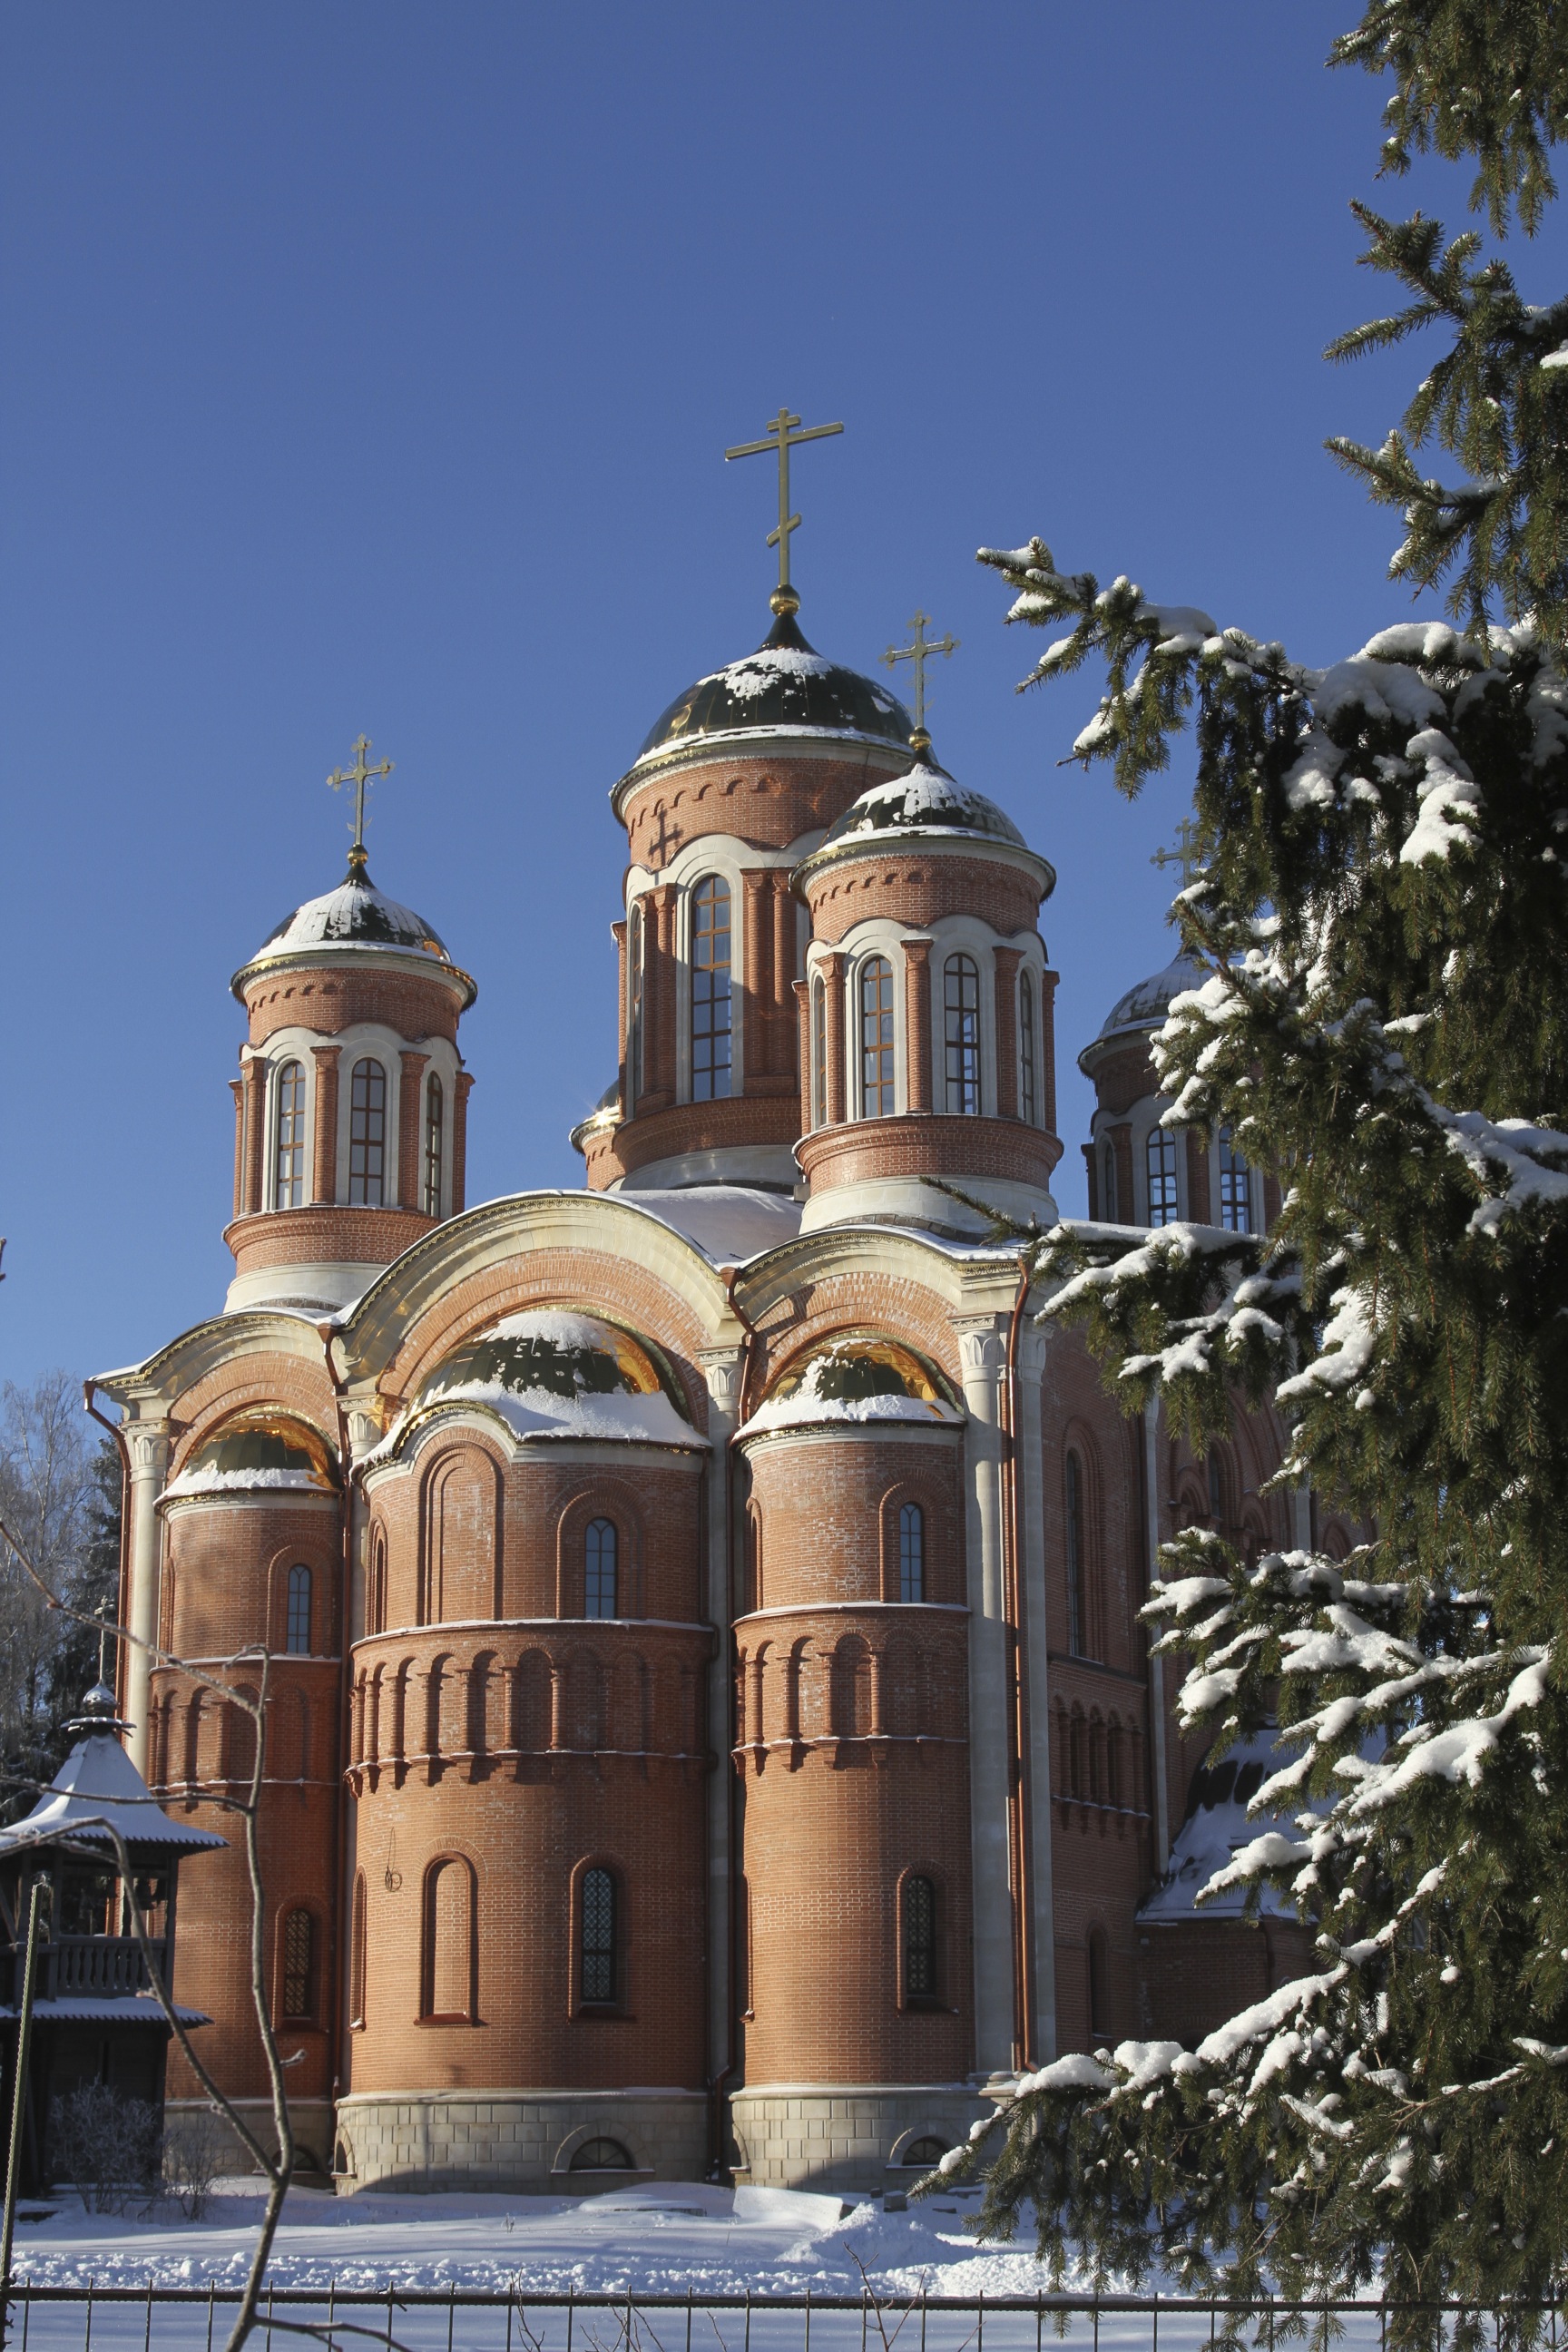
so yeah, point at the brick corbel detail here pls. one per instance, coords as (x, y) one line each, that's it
(917, 1022)
(409, 1126)
(461, 1092)
(1007, 962)
(254, 1130)
(1199, 1206)
(833, 969)
(1126, 1200)
(324, 1173)
(238, 1091)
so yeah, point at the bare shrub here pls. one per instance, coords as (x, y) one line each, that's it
(196, 2151)
(107, 2145)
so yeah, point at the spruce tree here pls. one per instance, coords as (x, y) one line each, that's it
(1381, 914)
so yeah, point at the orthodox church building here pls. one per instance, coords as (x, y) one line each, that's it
(709, 1727)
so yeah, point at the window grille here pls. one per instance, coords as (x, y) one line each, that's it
(1074, 1483)
(1161, 1157)
(289, 1168)
(299, 1965)
(911, 1553)
(434, 1106)
(599, 1568)
(297, 1639)
(1026, 1098)
(960, 982)
(1234, 1187)
(367, 1136)
(597, 1977)
(920, 1939)
(877, 1038)
(710, 993)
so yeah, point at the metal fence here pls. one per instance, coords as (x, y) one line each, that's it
(198, 2320)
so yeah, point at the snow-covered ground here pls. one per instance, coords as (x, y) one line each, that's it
(649, 2240)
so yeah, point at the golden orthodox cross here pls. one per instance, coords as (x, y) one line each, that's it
(361, 775)
(920, 652)
(1184, 855)
(783, 435)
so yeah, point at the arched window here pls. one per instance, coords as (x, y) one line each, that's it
(367, 1136)
(877, 1038)
(710, 990)
(296, 1638)
(357, 1953)
(600, 2156)
(634, 1003)
(1073, 1484)
(1026, 1099)
(1160, 1152)
(920, 1939)
(925, 2153)
(597, 1957)
(819, 1054)
(299, 1964)
(1098, 1983)
(289, 1166)
(599, 1568)
(961, 983)
(1235, 1186)
(434, 1105)
(911, 1553)
(1108, 1170)
(449, 1970)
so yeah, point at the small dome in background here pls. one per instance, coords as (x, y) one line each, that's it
(1146, 1005)
(785, 687)
(261, 1450)
(926, 799)
(355, 917)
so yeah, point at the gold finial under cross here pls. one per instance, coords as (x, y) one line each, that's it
(360, 776)
(920, 652)
(783, 435)
(1184, 855)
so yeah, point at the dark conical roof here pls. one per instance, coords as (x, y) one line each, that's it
(786, 687)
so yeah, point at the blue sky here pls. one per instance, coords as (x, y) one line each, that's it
(370, 366)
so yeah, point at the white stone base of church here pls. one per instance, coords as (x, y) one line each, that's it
(522, 2140)
(845, 2136)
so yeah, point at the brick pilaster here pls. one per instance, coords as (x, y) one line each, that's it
(1048, 1045)
(756, 972)
(803, 1031)
(1126, 1199)
(460, 1093)
(1199, 1207)
(324, 1174)
(255, 1132)
(833, 969)
(1008, 963)
(917, 1022)
(1091, 1162)
(238, 1091)
(784, 922)
(410, 1127)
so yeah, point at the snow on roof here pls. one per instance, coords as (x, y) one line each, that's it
(537, 1413)
(1145, 1005)
(728, 1222)
(355, 916)
(927, 800)
(126, 2008)
(209, 1480)
(785, 687)
(804, 1409)
(98, 1782)
(1218, 1825)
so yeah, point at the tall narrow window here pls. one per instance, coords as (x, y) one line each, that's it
(877, 1038)
(367, 1136)
(1026, 1098)
(597, 1977)
(599, 1568)
(961, 981)
(634, 1003)
(288, 1167)
(1073, 1484)
(710, 990)
(1235, 1186)
(299, 1964)
(357, 1953)
(819, 1054)
(297, 1632)
(911, 1553)
(920, 1939)
(1161, 1161)
(434, 1106)
(1108, 1171)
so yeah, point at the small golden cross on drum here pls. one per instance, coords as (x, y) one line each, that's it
(1184, 855)
(783, 435)
(361, 775)
(920, 652)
